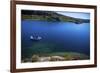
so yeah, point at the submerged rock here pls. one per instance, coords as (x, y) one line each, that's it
(43, 59)
(35, 58)
(26, 60)
(57, 58)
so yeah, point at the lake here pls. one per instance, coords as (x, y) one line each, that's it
(56, 37)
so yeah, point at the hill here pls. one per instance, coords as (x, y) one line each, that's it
(50, 16)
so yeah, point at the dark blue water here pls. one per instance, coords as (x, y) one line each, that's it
(64, 36)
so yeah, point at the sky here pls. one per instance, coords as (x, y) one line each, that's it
(76, 14)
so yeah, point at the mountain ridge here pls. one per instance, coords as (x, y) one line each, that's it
(50, 16)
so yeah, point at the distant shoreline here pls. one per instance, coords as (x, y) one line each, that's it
(52, 16)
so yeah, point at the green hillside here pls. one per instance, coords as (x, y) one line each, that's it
(51, 16)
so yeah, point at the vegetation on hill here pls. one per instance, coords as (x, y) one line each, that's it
(50, 16)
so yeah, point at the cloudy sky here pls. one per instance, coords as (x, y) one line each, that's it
(76, 14)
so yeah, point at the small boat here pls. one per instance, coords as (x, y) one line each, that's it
(35, 38)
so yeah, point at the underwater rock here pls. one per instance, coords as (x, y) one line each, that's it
(43, 59)
(35, 58)
(26, 60)
(76, 58)
(57, 58)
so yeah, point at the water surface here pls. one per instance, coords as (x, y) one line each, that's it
(56, 36)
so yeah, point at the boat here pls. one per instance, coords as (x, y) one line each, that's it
(35, 38)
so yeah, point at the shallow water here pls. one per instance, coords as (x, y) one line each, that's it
(56, 37)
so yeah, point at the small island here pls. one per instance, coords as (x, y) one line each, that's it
(50, 16)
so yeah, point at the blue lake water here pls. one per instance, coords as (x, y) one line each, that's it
(65, 36)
